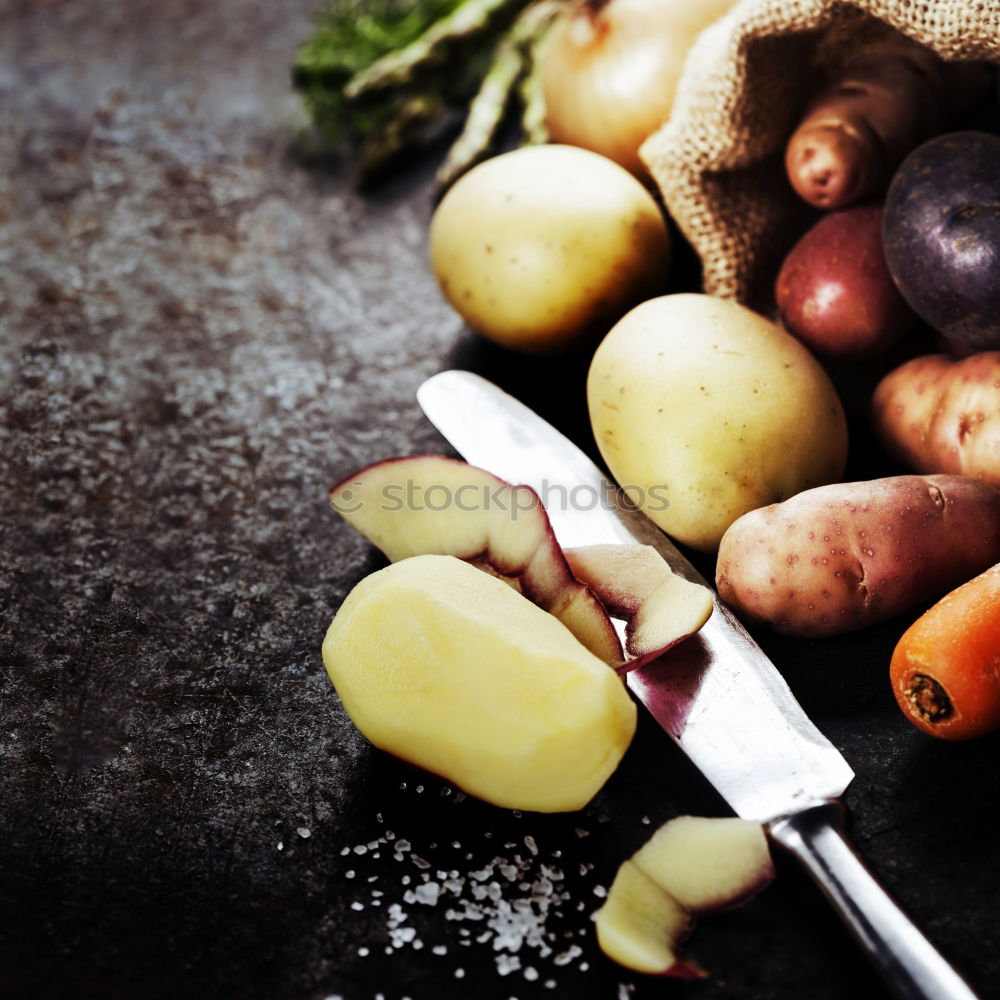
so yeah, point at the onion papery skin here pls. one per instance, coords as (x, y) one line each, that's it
(609, 71)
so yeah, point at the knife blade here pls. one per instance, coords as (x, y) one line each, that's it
(719, 697)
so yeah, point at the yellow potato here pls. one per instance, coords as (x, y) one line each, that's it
(704, 410)
(545, 246)
(451, 669)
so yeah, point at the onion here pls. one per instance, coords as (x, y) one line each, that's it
(609, 70)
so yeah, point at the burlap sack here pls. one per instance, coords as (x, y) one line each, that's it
(718, 161)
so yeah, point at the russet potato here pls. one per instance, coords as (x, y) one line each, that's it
(543, 248)
(450, 668)
(704, 410)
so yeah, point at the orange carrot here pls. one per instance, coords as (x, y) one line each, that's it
(945, 669)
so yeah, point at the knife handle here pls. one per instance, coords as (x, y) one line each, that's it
(908, 962)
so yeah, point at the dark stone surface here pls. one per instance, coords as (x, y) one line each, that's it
(199, 335)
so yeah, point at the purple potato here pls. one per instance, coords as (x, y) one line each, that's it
(941, 234)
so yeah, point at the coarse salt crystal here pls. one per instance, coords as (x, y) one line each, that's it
(506, 964)
(428, 893)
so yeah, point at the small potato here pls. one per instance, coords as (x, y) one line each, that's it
(935, 414)
(840, 557)
(834, 290)
(545, 247)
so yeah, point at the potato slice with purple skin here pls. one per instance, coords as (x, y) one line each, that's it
(708, 863)
(429, 504)
(640, 926)
(635, 583)
(691, 866)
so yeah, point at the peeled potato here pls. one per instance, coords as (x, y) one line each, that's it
(451, 669)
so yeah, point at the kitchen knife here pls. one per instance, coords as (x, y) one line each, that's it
(717, 694)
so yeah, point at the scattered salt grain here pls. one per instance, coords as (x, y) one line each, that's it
(530, 843)
(428, 893)
(356, 905)
(304, 832)
(460, 973)
(281, 845)
(364, 952)
(440, 949)
(506, 964)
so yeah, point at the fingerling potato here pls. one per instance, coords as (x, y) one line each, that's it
(935, 414)
(837, 558)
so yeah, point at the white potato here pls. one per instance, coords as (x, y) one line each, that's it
(707, 410)
(545, 246)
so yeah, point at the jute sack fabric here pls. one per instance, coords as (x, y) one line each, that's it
(719, 160)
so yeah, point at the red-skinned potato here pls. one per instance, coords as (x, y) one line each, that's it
(840, 557)
(834, 290)
(936, 414)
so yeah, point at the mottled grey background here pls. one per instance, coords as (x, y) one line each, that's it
(200, 333)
